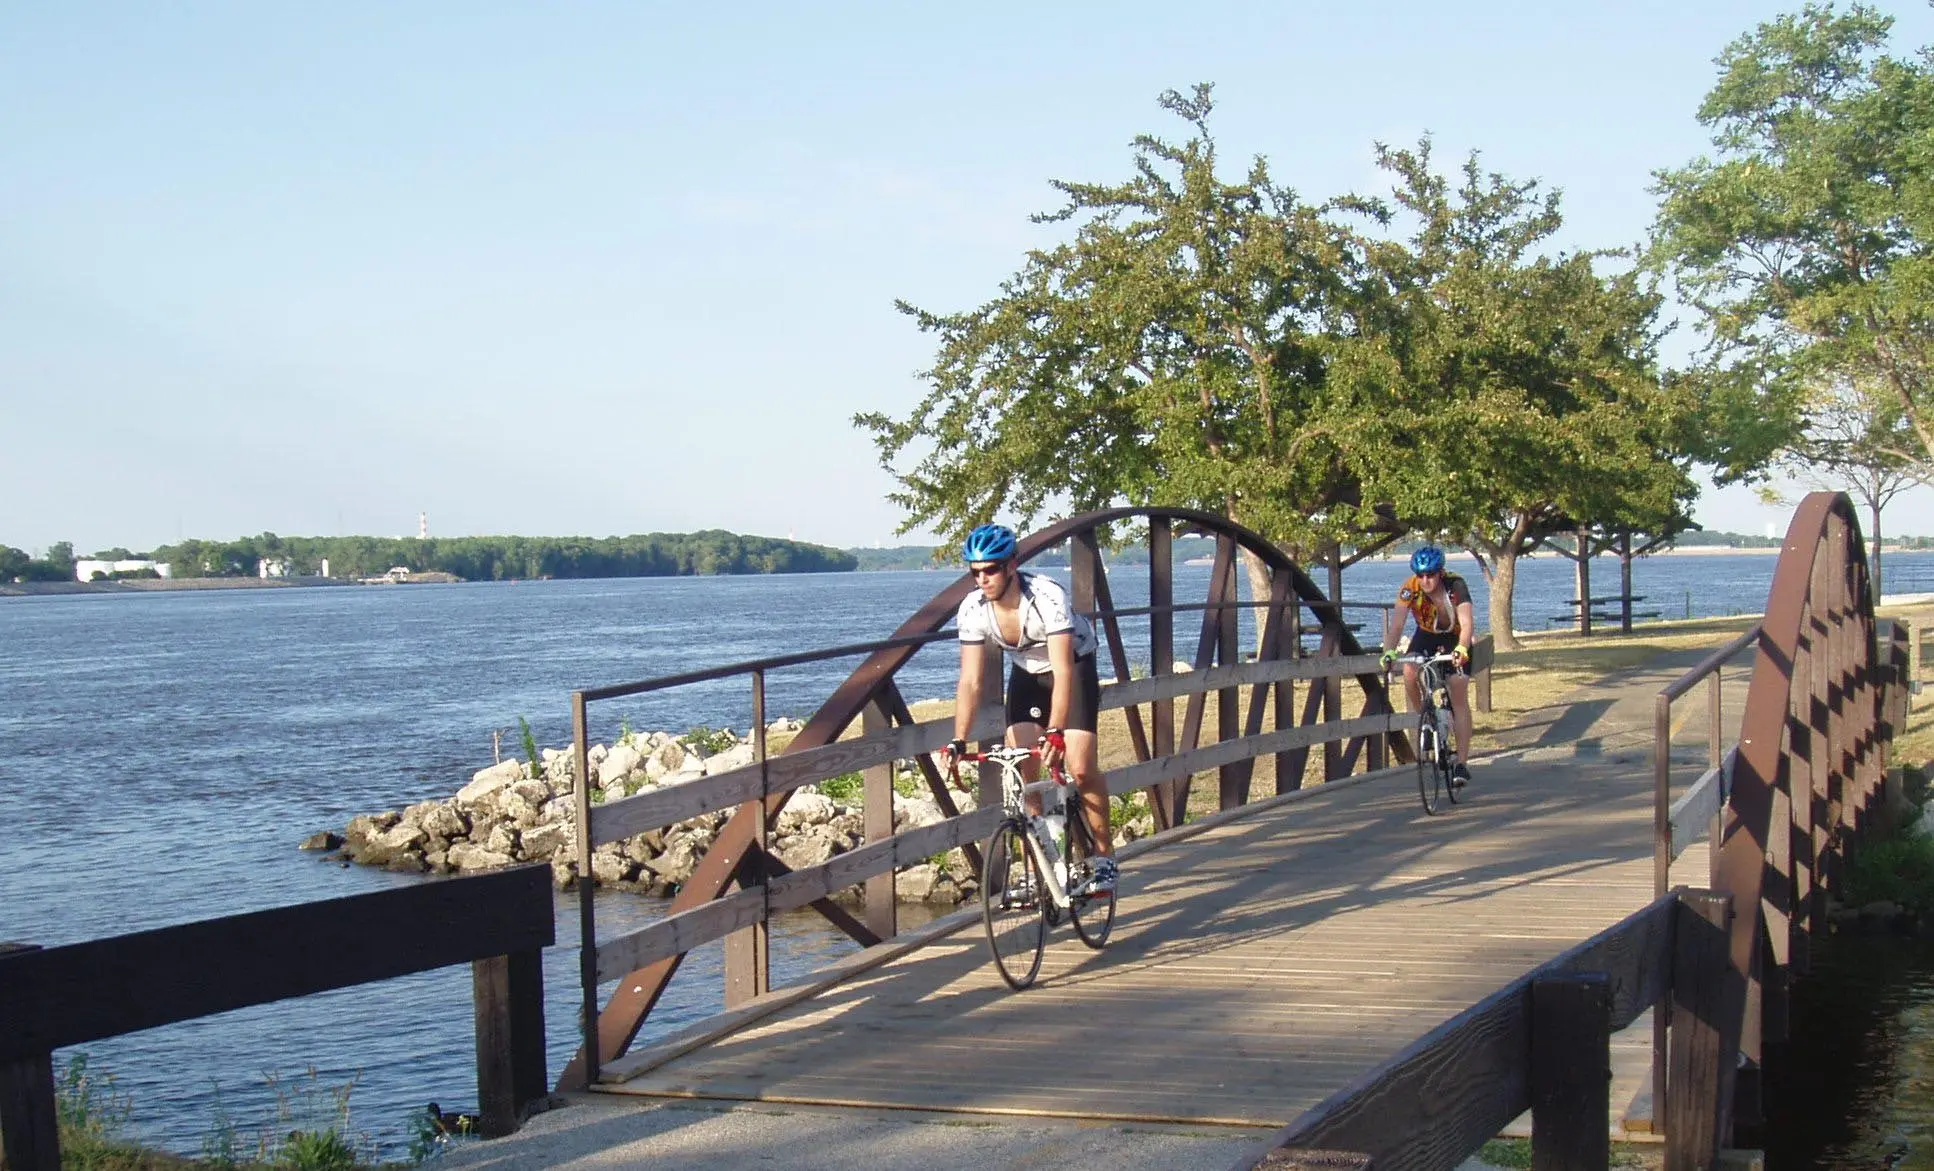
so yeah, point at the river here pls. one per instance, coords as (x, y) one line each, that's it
(163, 753)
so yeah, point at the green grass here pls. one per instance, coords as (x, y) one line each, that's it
(1897, 869)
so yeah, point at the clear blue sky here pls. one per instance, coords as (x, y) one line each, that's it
(608, 268)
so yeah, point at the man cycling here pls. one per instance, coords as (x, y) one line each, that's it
(1053, 680)
(1440, 601)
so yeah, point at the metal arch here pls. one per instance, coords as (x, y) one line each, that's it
(623, 1015)
(1846, 665)
(852, 696)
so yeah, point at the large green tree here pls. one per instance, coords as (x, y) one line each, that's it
(1521, 389)
(1804, 239)
(1173, 350)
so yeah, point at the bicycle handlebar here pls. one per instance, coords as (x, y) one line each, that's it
(1057, 771)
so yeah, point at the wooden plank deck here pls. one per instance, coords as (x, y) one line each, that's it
(1256, 967)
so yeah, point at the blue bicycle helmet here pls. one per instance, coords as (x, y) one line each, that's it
(1429, 559)
(988, 543)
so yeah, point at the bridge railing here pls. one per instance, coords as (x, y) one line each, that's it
(1792, 797)
(54, 997)
(767, 886)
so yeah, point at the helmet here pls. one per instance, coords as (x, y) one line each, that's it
(1429, 559)
(988, 543)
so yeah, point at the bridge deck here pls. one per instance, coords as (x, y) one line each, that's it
(1258, 966)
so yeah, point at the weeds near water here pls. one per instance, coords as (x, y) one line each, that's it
(90, 1113)
(531, 759)
(711, 741)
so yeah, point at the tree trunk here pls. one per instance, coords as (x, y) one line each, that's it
(1504, 581)
(1874, 585)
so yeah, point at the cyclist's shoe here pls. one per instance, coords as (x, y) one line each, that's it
(1020, 894)
(1102, 881)
(1459, 775)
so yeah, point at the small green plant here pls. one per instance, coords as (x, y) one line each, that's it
(532, 762)
(710, 741)
(1506, 1152)
(846, 788)
(1898, 869)
(624, 729)
(89, 1113)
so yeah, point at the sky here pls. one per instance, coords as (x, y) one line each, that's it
(594, 268)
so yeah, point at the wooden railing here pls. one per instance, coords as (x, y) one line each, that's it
(1829, 688)
(54, 997)
(1541, 1043)
(1168, 754)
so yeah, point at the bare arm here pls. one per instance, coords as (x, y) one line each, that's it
(1393, 627)
(967, 692)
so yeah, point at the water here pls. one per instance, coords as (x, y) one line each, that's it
(1854, 1088)
(162, 754)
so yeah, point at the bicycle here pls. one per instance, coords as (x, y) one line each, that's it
(1435, 740)
(1035, 868)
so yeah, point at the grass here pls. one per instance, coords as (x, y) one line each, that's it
(1516, 1152)
(310, 1129)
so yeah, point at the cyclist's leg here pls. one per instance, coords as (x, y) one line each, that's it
(1412, 691)
(1026, 707)
(1084, 752)
(1460, 702)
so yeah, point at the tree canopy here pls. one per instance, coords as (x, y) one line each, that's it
(1804, 240)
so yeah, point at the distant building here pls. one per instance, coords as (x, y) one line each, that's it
(85, 569)
(272, 567)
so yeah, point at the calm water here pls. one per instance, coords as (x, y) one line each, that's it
(164, 753)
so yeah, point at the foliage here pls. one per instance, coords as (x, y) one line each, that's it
(57, 565)
(89, 1114)
(506, 558)
(1805, 240)
(846, 788)
(1172, 352)
(1897, 869)
(533, 762)
(1526, 390)
(708, 740)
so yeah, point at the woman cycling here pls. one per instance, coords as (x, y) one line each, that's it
(1440, 601)
(1053, 682)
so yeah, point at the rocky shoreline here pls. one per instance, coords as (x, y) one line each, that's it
(514, 813)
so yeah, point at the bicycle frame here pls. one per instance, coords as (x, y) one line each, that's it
(1432, 678)
(1015, 790)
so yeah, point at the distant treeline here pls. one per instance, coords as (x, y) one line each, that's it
(503, 558)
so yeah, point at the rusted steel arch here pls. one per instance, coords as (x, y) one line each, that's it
(852, 696)
(1811, 732)
(638, 992)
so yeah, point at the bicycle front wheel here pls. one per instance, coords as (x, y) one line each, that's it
(1093, 915)
(1433, 775)
(1013, 905)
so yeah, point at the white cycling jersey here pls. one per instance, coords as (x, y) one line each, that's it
(1044, 611)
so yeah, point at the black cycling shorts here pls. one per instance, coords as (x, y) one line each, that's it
(1030, 697)
(1426, 643)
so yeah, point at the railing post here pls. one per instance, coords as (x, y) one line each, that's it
(1332, 685)
(1705, 1004)
(587, 884)
(1715, 756)
(509, 996)
(1484, 652)
(1571, 1072)
(1913, 659)
(748, 956)
(1161, 659)
(29, 1121)
(1230, 778)
(1661, 871)
(882, 910)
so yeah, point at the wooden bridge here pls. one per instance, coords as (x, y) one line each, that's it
(1311, 976)
(1327, 960)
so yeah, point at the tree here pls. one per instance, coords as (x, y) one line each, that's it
(1807, 241)
(13, 562)
(1855, 439)
(1524, 392)
(60, 558)
(1174, 351)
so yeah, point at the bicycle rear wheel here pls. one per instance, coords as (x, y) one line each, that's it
(1013, 901)
(1433, 775)
(1093, 915)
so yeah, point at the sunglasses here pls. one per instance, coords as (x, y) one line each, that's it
(994, 570)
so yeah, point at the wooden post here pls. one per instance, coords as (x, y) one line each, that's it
(1161, 659)
(1482, 654)
(1333, 685)
(509, 997)
(29, 1122)
(1571, 1072)
(882, 910)
(1286, 697)
(587, 890)
(1702, 1061)
(748, 955)
(1625, 582)
(1913, 658)
(1231, 779)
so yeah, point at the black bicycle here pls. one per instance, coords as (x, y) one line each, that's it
(1435, 741)
(1036, 868)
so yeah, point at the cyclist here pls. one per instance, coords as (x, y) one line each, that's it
(1440, 601)
(1054, 683)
